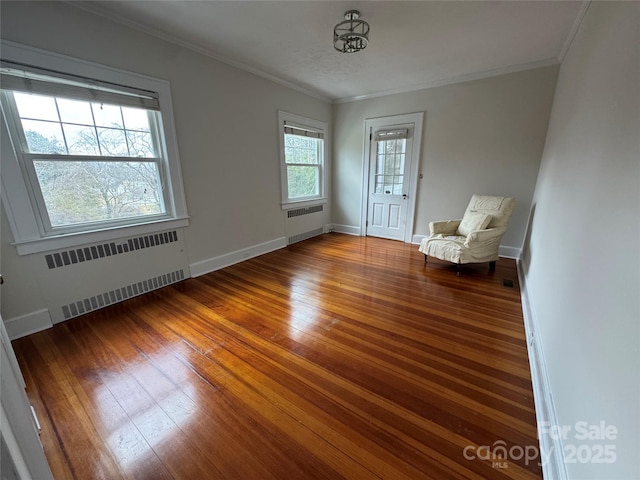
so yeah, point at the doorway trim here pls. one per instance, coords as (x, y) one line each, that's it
(371, 124)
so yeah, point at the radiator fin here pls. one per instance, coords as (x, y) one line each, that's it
(296, 212)
(93, 252)
(119, 294)
(304, 236)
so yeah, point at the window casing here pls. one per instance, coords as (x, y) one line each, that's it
(303, 161)
(93, 159)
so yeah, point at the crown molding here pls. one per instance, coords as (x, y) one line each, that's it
(467, 77)
(92, 8)
(574, 29)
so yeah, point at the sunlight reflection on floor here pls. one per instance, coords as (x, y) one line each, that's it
(151, 409)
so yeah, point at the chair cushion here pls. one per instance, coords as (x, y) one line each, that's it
(473, 221)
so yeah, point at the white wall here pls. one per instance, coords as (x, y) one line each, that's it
(226, 122)
(483, 136)
(582, 253)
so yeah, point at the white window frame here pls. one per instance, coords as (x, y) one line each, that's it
(22, 206)
(300, 122)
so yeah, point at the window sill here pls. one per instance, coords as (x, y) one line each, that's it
(75, 239)
(303, 203)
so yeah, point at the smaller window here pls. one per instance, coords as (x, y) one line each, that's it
(303, 161)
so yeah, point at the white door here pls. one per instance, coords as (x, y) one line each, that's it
(390, 175)
(389, 179)
(392, 156)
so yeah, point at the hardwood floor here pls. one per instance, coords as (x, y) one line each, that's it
(337, 357)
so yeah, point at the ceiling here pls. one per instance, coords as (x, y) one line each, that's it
(412, 44)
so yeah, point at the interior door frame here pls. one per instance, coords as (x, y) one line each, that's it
(371, 124)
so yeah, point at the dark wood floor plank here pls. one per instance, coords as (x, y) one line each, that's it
(337, 357)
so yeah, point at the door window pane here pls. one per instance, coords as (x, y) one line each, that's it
(390, 159)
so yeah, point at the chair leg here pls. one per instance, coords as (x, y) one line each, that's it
(457, 269)
(425, 258)
(492, 266)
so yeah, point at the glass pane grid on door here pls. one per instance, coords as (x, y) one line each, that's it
(390, 158)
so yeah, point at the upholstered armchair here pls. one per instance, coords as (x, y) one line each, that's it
(473, 239)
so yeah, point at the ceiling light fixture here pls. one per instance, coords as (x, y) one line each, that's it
(352, 34)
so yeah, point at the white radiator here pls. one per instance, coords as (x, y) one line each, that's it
(79, 280)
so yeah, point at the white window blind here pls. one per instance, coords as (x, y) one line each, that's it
(382, 135)
(301, 132)
(28, 79)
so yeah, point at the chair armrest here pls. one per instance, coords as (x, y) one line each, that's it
(447, 227)
(489, 234)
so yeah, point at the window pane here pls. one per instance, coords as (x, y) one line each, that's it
(399, 164)
(303, 181)
(74, 111)
(112, 142)
(43, 137)
(398, 185)
(81, 140)
(302, 149)
(36, 106)
(379, 183)
(140, 144)
(291, 155)
(80, 192)
(135, 119)
(388, 184)
(107, 115)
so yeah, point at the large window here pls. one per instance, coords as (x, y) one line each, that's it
(88, 162)
(93, 155)
(303, 160)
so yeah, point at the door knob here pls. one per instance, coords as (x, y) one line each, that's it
(404, 196)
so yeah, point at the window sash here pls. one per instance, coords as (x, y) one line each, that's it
(316, 165)
(45, 216)
(317, 178)
(310, 187)
(34, 187)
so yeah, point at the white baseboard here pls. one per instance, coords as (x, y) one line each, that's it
(347, 229)
(216, 263)
(551, 448)
(24, 325)
(509, 252)
(416, 239)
